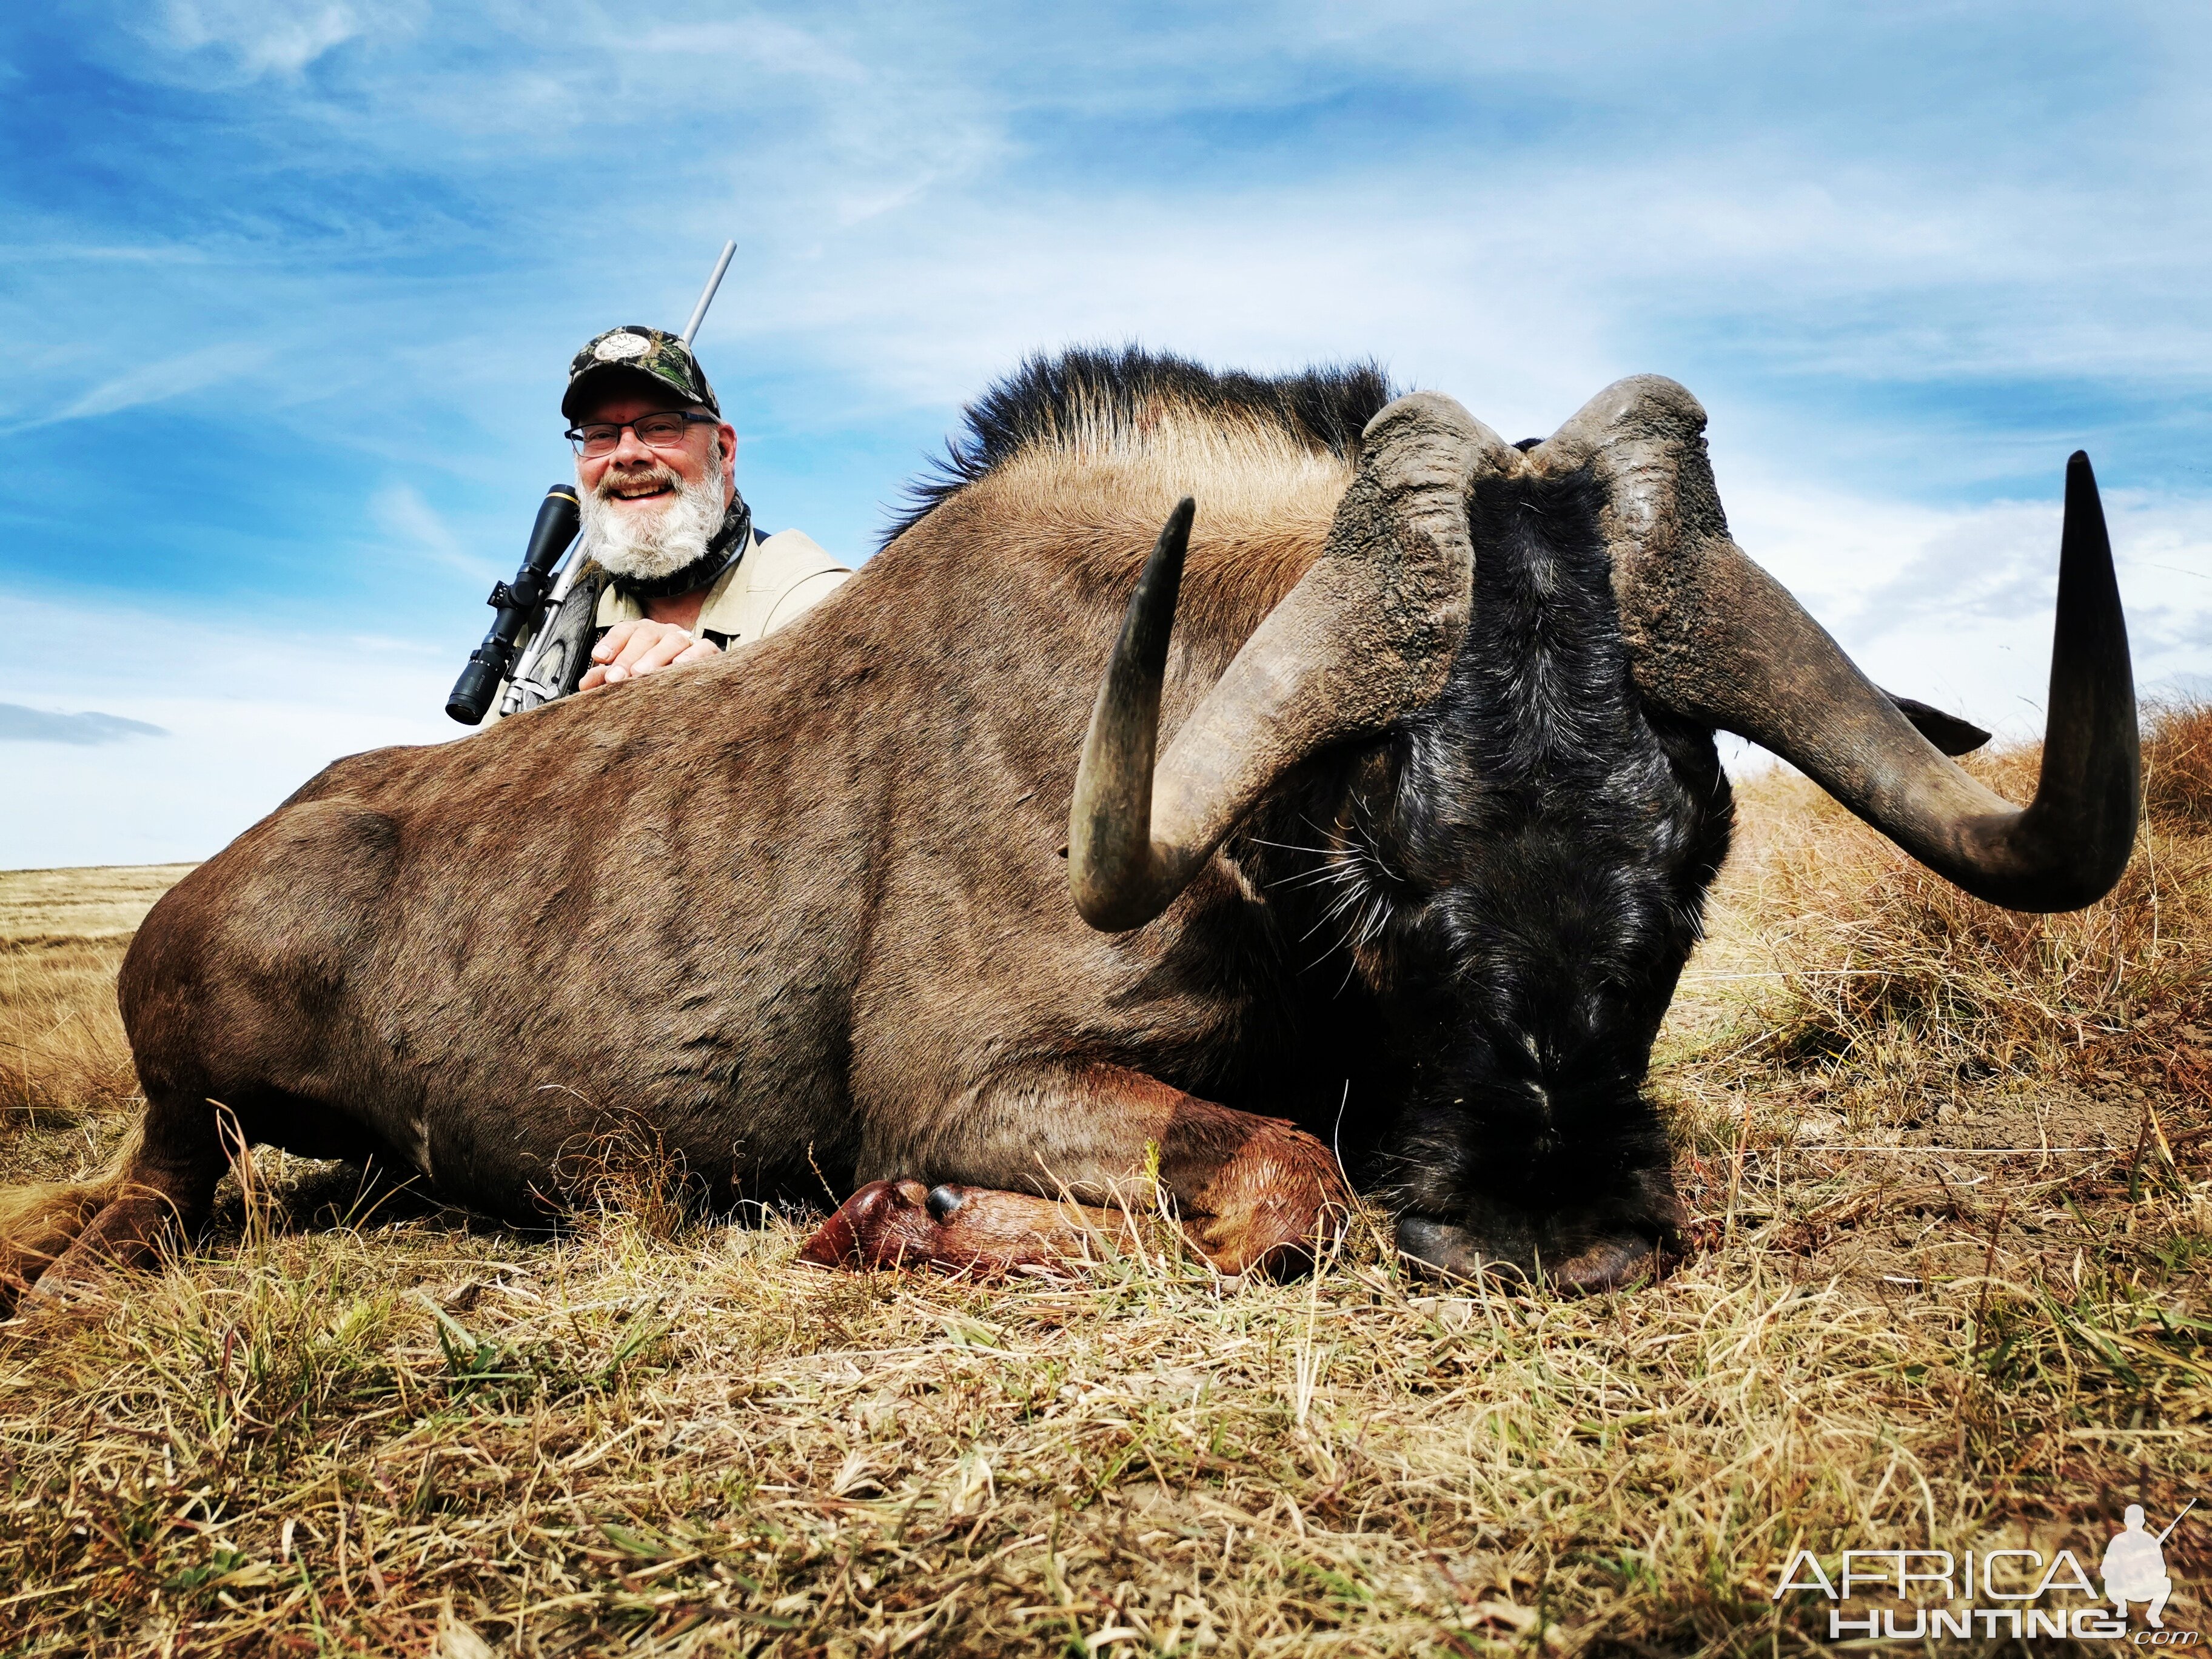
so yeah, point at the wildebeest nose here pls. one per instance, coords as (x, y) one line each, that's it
(943, 1201)
(1439, 1246)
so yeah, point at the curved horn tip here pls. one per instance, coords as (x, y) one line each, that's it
(2084, 542)
(1161, 575)
(1114, 872)
(1152, 603)
(2073, 841)
(2085, 504)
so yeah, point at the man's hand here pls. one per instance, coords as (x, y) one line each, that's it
(632, 648)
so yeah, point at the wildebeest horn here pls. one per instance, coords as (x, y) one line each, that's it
(1368, 631)
(1714, 637)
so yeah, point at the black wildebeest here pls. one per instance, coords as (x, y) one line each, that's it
(1418, 869)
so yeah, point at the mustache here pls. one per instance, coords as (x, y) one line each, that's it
(658, 473)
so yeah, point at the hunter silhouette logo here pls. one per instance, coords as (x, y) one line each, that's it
(2135, 1566)
(2017, 1593)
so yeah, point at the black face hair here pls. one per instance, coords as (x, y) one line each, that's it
(1511, 884)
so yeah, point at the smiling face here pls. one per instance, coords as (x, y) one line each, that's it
(648, 511)
(638, 479)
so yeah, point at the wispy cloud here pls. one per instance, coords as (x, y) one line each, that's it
(413, 527)
(20, 725)
(257, 37)
(285, 346)
(155, 383)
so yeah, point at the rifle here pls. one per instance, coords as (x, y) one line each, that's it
(519, 603)
(2176, 1522)
(523, 603)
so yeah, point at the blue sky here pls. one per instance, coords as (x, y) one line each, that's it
(289, 288)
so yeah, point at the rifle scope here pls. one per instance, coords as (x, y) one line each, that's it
(518, 602)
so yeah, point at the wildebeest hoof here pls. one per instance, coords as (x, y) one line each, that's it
(1611, 1264)
(903, 1224)
(872, 1218)
(1443, 1249)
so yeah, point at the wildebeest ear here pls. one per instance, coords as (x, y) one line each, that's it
(1947, 732)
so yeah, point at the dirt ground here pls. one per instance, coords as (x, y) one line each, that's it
(1946, 1290)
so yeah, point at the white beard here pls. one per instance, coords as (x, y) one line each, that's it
(646, 546)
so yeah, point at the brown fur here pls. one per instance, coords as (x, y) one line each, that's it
(801, 908)
(37, 1223)
(55, 1235)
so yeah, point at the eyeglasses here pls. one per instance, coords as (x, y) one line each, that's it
(663, 431)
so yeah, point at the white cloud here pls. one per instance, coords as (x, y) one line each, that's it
(272, 37)
(403, 221)
(249, 716)
(413, 527)
(1955, 605)
(158, 382)
(913, 221)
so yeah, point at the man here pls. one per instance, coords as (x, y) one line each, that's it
(676, 571)
(2135, 1570)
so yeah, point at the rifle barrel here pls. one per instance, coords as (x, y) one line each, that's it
(707, 294)
(2176, 1522)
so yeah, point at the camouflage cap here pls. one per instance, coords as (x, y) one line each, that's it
(636, 349)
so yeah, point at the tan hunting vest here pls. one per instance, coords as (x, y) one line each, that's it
(775, 582)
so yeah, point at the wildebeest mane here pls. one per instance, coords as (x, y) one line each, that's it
(1087, 394)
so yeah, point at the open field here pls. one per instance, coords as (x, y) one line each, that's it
(1951, 1176)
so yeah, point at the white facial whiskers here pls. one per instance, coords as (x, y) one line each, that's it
(644, 544)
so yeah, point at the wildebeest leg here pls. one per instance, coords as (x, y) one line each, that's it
(893, 1223)
(74, 1236)
(1249, 1191)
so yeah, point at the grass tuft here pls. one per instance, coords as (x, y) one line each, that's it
(1882, 970)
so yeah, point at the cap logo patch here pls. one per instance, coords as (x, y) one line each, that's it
(619, 347)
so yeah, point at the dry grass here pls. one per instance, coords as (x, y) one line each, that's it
(1948, 1173)
(1919, 985)
(62, 1059)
